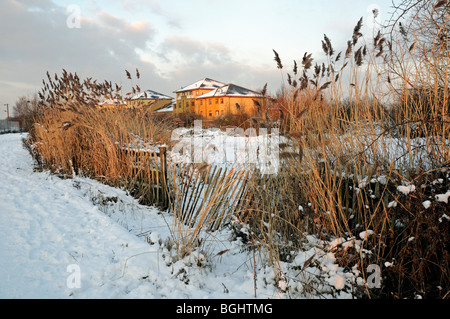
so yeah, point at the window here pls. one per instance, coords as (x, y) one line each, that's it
(210, 113)
(201, 102)
(210, 102)
(221, 101)
(222, 112)
(192, 103)
(217, 101)
(217, 113)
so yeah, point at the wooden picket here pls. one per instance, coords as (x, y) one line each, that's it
(149, 168)
(195, 193)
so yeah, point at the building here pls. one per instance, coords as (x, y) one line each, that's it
(10, 125)
(150, 100)
(229, 99)
(186, 96)
(166, 109)
(113, 103)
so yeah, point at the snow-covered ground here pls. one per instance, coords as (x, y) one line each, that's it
(77, 238)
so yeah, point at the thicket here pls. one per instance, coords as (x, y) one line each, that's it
(369, 157)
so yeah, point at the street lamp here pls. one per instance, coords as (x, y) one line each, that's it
(7, 111)
(7, 118)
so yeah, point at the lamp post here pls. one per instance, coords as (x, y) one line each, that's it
(7, 111)
(7, 116)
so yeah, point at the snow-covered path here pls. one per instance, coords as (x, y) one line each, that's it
(44, 228)
(55, 243)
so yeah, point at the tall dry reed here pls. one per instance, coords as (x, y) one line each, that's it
(364, 133)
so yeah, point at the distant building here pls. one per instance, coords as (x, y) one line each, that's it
(150, 100)
(166, 109)
(112, 103)
(9, 126)
(185, 97)
(228, 99)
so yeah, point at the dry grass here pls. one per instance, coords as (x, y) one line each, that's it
(72, 135)
(362, 135)
(367, 119)
(90, 142)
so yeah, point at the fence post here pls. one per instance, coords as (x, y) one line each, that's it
(163, 158)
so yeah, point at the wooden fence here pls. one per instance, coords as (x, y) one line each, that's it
(194, 193)
(149, 172)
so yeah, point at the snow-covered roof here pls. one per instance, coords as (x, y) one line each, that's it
(112, 102)
(149, 94)
(205, 83)
(230, 90)
(167, 108)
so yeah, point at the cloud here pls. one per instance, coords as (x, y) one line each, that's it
(134, 34)
(133, 5)
(153, 7)
(251, 77)
(184, 50)
(188, 60)
(101, 48)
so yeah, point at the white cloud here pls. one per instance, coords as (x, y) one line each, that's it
(101, 48)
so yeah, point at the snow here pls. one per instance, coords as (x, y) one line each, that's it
(406, 189)
(441, 219)
(78, 238)
(233, 148)
(365, 234)
(392, 204)
(426, 204)
(51, 227)
(149, 94)
(205, 83)
(443, 197)
(168, 108)
(337, 281)
(230, 90)
(113, 102)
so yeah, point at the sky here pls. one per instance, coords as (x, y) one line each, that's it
(172, 43)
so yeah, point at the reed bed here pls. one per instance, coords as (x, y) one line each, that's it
(72, 135)
(367, 131)
(372, 159)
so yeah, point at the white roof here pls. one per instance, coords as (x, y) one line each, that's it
(205, 83)
(149, 94)
(112, 101)
(230, 90)
(167, 108)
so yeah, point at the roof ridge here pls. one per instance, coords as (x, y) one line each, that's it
(199, 84)
(244, 88)
(143, 95)
(231, 90)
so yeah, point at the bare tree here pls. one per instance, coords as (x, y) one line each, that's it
(24, 109)
(419, 36)
(418, 60)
